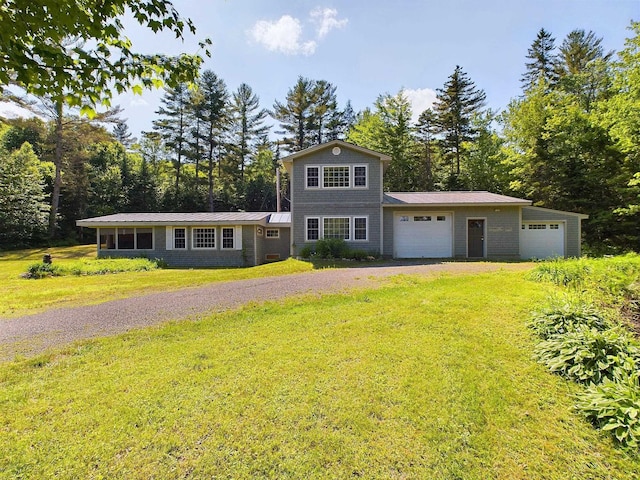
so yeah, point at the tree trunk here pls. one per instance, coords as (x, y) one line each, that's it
(57, 181)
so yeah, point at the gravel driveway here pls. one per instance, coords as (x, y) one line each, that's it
(33, 334)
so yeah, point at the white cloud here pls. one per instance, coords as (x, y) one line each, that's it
(138, 102)
(11, 110)
(325, 19)
(282, 36)
(420, 99)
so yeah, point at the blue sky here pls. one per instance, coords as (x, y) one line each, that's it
(368, 48)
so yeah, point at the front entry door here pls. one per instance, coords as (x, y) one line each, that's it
(475, 232)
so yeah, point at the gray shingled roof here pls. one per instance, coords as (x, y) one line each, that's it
(451, 199)
(196, 218)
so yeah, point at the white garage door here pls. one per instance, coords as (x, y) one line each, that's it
(423, 235)
(542, 240)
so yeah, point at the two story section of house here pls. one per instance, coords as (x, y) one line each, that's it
(336, 192)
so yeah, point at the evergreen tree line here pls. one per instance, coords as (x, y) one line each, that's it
(570, 141)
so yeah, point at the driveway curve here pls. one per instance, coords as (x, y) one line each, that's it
(33, 334)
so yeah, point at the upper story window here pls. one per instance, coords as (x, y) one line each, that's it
(336, 176)
(360, 176)
(313, 177)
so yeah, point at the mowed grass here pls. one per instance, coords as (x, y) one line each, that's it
(421, 378)
(19, 296)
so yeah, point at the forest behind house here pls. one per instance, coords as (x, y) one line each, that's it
(570, 141)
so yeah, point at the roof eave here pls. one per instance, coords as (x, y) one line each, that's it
(467, 204)
(124, 223)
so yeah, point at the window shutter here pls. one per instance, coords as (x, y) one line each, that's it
(169, 243)
(238, 234)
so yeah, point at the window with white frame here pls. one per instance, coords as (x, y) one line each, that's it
(360, 176)
(228, 235)
(204, 237)
(336, 176)
(313, 228)
(336, 227)
(272, 233)
(345, 228)
(179, 238)
(313, 177)
(360, 228)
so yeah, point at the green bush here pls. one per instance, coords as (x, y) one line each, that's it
(561, 272)
(614, 406)
(306, 252)
(331, 248)
(358, 255)
(42, 270)
(565, 314)
(92, 267)
(587, 355)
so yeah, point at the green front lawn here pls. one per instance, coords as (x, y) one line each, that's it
(19, 296)
(421, 378)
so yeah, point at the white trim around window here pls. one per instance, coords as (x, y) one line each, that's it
(179, 238)
(312, 176)
(336, 177)
(356, 228)
(228, 238)
(360, 229)
(360, 176)
(272, 233)
(312, 230)
(203, 238)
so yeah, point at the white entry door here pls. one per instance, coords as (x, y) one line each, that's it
(423, 235)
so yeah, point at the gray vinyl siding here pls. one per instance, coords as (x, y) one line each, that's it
(502, 229)
(572, 226)
(278, 246)
(336, 202)
(189, 257)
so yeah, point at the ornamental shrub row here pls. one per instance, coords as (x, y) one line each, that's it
(92, 267)
(334, 248)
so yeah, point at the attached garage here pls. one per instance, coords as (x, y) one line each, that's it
(542, 239)
(423, 234)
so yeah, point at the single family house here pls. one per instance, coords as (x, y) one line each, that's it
(337, 192)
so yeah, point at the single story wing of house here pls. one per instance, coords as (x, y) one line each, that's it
(337, 192)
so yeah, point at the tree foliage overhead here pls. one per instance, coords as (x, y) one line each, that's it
(75, 50)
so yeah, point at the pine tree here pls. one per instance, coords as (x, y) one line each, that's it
(295, 115)
(542, 60)
(173, 126)
(325, 109)
(122, 134)
(577, 51)
(213, 117)
(310, 115)
(455, 106)
(426, 130)
(247, 125)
